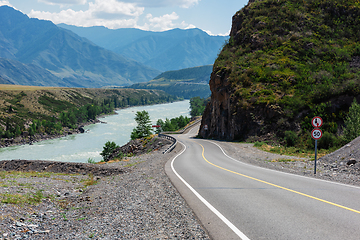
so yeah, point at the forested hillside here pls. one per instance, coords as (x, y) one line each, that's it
(286, 62)
(29, 111)
(185, 83)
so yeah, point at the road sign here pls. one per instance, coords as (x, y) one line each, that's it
(317, 122)
(156, 126)
(316, 134)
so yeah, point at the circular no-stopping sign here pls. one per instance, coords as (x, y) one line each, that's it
(317, 122)
(316, 134)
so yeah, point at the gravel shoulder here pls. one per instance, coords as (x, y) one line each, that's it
(139, 203)
(341, 166)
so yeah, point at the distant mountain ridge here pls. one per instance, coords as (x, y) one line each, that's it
(186, 83)
(169, 50)
(29, 45)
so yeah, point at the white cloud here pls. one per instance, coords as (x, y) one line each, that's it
(115, 7)
(164, 3)
(64, 2)
(5, 2)
(220, 34)
(114, 14)
(161, 23)
(164, 23)
(110, 13)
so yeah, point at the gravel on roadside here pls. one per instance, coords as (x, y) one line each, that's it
(140, 203)
(341, 166)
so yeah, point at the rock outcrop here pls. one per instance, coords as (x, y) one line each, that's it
(231, 115)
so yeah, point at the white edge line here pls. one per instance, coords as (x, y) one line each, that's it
(292, 174)
(213, 209)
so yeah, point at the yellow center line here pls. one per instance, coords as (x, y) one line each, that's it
(277, 186)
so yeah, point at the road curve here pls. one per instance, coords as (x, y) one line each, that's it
(235, 200)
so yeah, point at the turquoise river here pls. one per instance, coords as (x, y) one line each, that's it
(81, 147)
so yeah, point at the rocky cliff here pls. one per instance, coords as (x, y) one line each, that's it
(285, 62)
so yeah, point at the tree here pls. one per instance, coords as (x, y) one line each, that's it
(197, 106)
(160, 123)
(143, 128)
(17, 131)
(352, 122)
(108, 149)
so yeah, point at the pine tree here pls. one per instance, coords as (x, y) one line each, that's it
(143, 129)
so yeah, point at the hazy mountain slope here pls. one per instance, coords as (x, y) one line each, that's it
(110, 39)
(64, 53)
(186, 83)
(170, 50)
(15, 72)
(286, 62)
(193, 51)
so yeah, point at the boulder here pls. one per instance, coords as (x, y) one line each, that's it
(351, 161)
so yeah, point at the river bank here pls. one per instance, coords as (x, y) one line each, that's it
(38, 137)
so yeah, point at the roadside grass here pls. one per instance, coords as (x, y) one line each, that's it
(292, 151)
(90, 181)
(9, 179)
(133, 164)
(20, 174)
(19, 199)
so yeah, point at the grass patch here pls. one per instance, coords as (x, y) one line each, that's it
(292, 151)
(133, 164)
(20, 174)
(284, 160)
(90, 181)
(19, 199)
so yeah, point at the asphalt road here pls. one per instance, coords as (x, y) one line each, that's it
(235, 200)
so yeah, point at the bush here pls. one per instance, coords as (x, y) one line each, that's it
(108, 149)
(352, 122)
(259, 144)
(327, 141)
(290, 138)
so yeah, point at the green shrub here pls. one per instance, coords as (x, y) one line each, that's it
(108, 149)
(327, 141)
(259, 144)
(290, 138)
(120, 155)
(352, 122)
(91, 160)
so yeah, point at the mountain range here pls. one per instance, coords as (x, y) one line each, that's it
(37, 52)
(165, 51)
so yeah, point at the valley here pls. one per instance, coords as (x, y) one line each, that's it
(29, 113)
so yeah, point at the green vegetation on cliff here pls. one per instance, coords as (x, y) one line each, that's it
(299, 58)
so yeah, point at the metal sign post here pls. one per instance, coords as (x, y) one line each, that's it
(316, 134)
(315, 156)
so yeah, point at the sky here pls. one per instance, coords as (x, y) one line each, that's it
(212, 16)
